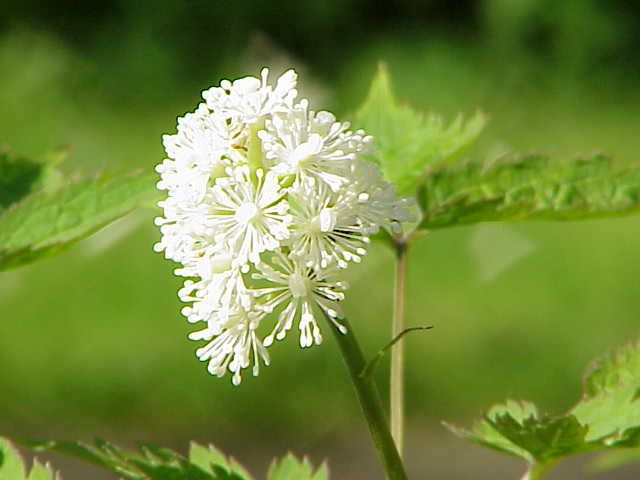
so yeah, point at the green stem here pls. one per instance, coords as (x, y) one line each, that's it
(370, 402)
(537, 471)
(397, 353)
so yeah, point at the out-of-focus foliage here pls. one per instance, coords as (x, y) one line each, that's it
(580, 35)
(155, 463)
(583, 33)
(606, 417)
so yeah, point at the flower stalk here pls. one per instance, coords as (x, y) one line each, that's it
(396, 383)
(537, 471)
(370, 402)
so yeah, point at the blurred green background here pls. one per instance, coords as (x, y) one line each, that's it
(92, 342)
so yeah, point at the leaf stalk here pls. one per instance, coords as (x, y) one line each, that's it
(396, 381)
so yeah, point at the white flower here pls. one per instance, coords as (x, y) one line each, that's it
(377, 202)
(300, 291)
(324, 227)
(220, 290)
(248, 215)
(248, 99)
(311, 145)
(201, 149)
(234, 345)
(184, 236)
(267, 203)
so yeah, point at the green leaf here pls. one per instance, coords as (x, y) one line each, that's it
(151, 462)
(155, 463)
(290, 468)
(611, 404)
(11, 465)
(41, 472)
(209, 458)
(45, 223)
(102, 454)
(21, 176)
(607, 417)
(406, 141)
(528, 187)
(516, 428)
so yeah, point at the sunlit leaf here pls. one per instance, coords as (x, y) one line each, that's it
(291, 468)
(406, 141)
(12, 466)
(45, 223)
(528, 187)
(41, 472)
(611, 405)
(209, 458)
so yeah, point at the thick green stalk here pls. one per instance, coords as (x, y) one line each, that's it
(396, 382)
(370, 402)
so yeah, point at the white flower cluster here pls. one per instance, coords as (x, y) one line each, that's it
(267, 202)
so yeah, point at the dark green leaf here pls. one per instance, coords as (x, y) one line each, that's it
(607, 417)
(21, 176)
(516, 428)
(528, 187)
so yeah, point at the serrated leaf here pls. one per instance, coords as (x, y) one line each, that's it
(406, 141)
(291, 468)
(607, 417)
(151, 462)
(516, 428)
(611, 404)
(41, 472)
(322, 473)
(46, 223)
(209, 458)
(528, 187)
(20, 176)
(102, 454)
(11, 465)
